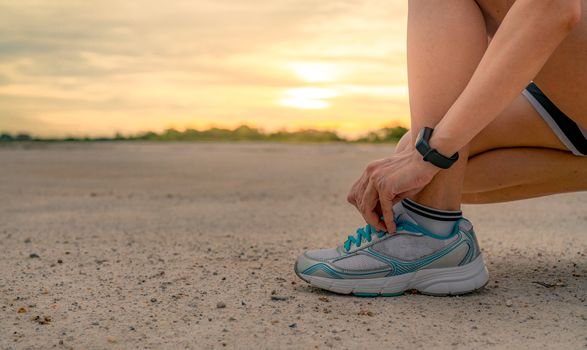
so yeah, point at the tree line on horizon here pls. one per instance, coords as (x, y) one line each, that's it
(241, 133)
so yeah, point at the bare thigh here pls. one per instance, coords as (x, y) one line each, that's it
(519, 125)
(564, 76)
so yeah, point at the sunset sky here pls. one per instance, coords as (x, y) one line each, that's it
(78, 67)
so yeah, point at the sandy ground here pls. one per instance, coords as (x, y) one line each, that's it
(171, 246)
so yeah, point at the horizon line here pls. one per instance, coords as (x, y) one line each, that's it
(116, 133)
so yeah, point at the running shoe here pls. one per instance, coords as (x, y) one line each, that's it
(376, 263)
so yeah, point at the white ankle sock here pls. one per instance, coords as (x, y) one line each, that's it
(440, 222)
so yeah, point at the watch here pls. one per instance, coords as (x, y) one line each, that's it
(430, 154)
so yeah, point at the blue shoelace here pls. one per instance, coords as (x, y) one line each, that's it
(365, 232)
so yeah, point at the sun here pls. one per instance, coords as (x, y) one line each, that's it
(315, 72)
(312, 97)
(308, 97)
(304, 103)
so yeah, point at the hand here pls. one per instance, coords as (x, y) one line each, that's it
(385, 182)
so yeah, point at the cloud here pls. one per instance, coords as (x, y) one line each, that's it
(161, 58)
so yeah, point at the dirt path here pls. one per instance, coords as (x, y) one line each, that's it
(171, 246)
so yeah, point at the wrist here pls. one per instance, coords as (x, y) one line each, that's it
(444, 142)
(430, 153)
(429, 167)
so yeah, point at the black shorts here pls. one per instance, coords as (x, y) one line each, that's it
(571, 135)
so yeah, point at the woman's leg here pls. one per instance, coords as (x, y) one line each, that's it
(563, 78)
(431, 67)
(522, 173)
(446, 40)
(516, 157)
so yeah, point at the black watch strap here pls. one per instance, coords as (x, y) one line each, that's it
(430, 154)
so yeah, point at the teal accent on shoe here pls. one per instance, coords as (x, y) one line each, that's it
(338, 274)
(329, 270)
(366, 294)
(371, 295)
(408, 226)
(473, 248)
(469, 256)
(366, 232)
(401, 267)
(362, 233)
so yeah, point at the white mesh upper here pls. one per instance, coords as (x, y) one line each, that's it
(322, 254)
(359, 262)
(410, 247)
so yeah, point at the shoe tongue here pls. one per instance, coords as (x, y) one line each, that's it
(406, 217)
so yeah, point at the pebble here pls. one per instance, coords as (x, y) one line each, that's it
(34, 256)
(509, 303)
(220, 305)
(111, 339)
(59, 261)
(42, 319)
(293, 325)
(365, 313)
(153, 300)
(279, 297)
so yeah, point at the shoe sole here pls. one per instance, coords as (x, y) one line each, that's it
(438, 282)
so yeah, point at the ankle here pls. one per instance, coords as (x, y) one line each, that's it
(445, 203)
(437, 221)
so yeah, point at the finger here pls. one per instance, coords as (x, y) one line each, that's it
(378, 210)
(369, 203)
(360, 190)
(386, 202)
(355, 189)
(351, 196)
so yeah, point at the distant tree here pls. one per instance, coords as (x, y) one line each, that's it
(240, 133)
(23, 137)
(388, 134)
(148, 136)
(245, 132)
(307, 135)
(171, 135)
(4, 137)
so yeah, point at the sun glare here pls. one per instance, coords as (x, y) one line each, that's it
(315, 72)
(304, 103)
(308, 97)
